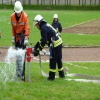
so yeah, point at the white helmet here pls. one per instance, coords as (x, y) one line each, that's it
(38, 18)
(55, 16)
(18, 7)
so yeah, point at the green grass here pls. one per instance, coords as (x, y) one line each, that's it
(67, 19)
(60, 89)
(80, 40)
(39, 88)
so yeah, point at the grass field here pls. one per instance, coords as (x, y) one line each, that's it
(60, 89)
(41, 89)
(67, 18)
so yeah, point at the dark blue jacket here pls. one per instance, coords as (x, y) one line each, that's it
(47, 32)
(57, 26)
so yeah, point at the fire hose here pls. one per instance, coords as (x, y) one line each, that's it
(88, 78)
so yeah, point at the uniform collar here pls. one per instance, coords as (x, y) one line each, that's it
(19, 18)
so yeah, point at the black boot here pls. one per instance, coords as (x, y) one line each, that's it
(61, 74)
(23, 78)
(51, 76)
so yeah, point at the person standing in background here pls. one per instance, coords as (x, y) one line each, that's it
(56, 24)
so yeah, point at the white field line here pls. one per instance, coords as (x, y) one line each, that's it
(84, 80)
(76, 65)
(64, 61)
(80, 61)
(79, 80)
(41, 59)
(81, 23)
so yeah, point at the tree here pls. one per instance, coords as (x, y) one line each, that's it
(2, 1)
(41, 2)
(29, 2)
(52, 2)
(38, 2)
(90, 2)
(85, 2)
(69, 2)
(55, 2)
(58, 2)
(95, 2)
(99, 2)
(82, 2)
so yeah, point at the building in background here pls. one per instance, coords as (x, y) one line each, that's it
(54, 2)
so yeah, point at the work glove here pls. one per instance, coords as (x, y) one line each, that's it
(26, 41)
(35, 52)
(13, 40)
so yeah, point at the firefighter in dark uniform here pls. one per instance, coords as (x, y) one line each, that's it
(50, 37)
(56, 24)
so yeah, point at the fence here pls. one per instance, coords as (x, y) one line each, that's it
(54, 2)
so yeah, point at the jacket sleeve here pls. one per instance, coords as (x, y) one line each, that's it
(27, 28)
(60, 28)
(40, 45)
(13, 31)
(52, 24)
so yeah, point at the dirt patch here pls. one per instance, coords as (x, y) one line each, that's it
(92, 27)
(74, 54)
(69, 54)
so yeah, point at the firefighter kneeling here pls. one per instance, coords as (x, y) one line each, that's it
(50, 37)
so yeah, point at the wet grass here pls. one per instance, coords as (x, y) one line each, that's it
(41, 89)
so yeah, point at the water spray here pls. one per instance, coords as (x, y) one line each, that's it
(8, 68)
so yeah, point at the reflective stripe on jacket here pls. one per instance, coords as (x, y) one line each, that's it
(48, 36)
(20, 26)
(57, 42)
